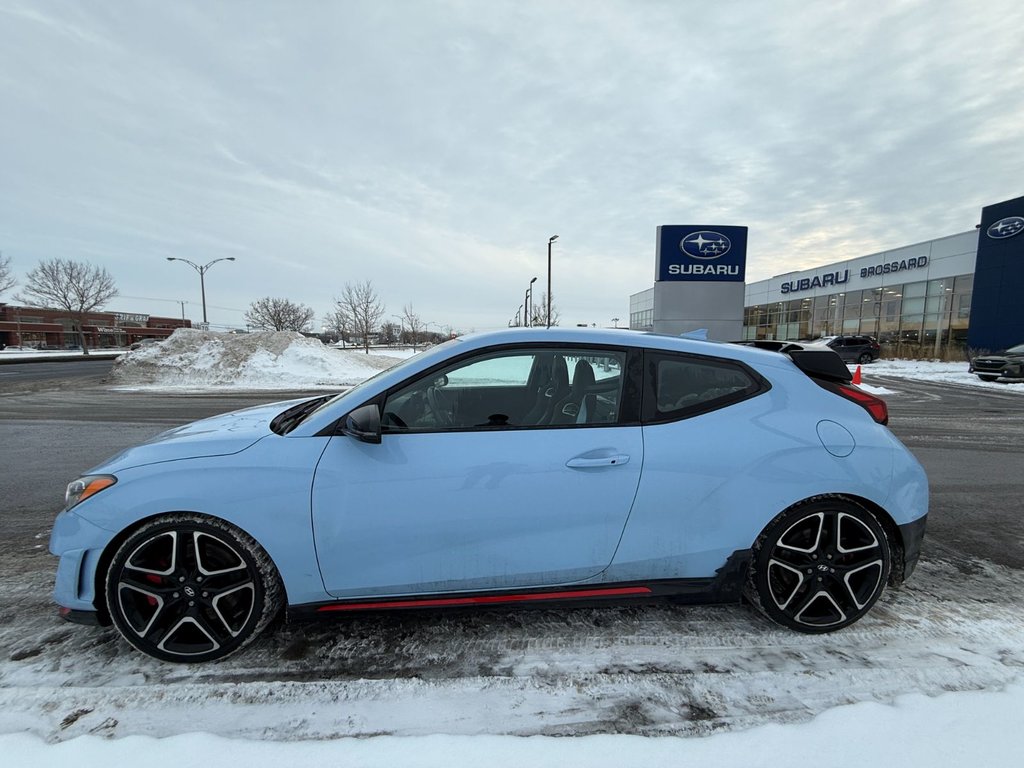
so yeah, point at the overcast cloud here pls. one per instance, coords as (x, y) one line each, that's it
(433, 147)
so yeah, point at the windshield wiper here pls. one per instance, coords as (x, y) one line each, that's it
(288, 420)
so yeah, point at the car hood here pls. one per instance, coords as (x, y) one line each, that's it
(1000, 356)
(216, 436)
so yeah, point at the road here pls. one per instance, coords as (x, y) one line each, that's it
(42, 375)
(645, 669)
(971, 442)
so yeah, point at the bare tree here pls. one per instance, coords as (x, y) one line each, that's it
(539, 313)
(7, 280)
(360, 310)
(74, 286)
(271, 314)
(338, 324)
(413, 322)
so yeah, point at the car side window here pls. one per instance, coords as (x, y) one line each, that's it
(681, 385)
(517, 388)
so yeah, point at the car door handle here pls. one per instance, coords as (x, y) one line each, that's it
(602, 461)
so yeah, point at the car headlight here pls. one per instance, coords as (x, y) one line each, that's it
(81, 489)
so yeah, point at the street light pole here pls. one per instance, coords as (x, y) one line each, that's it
(550, 241)
(202, 276)
(529, 310)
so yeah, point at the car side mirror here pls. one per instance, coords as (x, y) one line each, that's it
(363, 423)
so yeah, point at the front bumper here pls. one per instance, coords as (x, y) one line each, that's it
(79, 544)
(88, 618)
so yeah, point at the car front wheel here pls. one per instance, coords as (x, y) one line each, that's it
(189, 588)
(819, 566)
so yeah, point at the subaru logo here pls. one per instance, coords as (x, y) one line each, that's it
(705, 245)
(1005, 228)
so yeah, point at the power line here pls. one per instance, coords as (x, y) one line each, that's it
(178, 301)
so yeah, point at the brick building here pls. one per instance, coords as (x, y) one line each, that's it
(52, 328)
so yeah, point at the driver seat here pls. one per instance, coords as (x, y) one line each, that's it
(549, 394)
(567, 410)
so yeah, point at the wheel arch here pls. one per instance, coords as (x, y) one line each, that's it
(107, 556)
(892, 531)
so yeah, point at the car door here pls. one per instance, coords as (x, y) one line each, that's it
(455, 498)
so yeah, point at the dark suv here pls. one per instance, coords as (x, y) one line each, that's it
(853, 349)
(1007, 365)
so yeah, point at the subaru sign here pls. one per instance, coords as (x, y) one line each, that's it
(1004, 228)
(703, 253)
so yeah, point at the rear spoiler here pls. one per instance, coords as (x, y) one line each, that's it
(817, 363)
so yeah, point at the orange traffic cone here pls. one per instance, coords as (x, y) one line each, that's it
(856, 376)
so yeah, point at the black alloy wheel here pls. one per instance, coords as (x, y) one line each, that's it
(188, 588)
(819, 566)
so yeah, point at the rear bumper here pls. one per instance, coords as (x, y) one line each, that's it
(912, 534)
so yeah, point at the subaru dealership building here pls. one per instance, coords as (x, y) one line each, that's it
(962, 290)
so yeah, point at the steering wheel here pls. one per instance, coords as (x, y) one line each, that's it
(444, 418)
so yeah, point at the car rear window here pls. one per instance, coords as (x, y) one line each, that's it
(685, 386)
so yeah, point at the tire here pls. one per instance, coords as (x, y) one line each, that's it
(819, 566)
(865, 358)
(987, 378)
(189, 588)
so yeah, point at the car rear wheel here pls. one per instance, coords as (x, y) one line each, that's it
(865, 358)
(189, 588)
(819, 566)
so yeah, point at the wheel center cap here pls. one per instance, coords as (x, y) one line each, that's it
(190, 591)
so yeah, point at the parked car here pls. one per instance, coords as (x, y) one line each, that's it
(521, 466)
(852, 349)
(144, 343)
(1007, 365)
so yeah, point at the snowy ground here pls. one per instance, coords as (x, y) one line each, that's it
(954, 729)
(933, 676)
(448, 688)
(926, 370)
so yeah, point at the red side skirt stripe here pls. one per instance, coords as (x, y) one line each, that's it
(488, 599)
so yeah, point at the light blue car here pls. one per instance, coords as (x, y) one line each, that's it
(521, 466)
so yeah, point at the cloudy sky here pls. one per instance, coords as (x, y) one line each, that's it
(433, 147)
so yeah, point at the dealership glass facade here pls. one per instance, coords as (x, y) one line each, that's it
(914, 313)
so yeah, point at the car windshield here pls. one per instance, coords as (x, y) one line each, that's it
(366, 383)
(1017, 350)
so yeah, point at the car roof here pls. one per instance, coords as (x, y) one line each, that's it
(621, 337)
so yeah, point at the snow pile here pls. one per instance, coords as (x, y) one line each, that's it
(932, 370)
(193, 359)
(954, 729)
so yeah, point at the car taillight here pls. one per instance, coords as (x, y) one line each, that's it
(873, 405)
